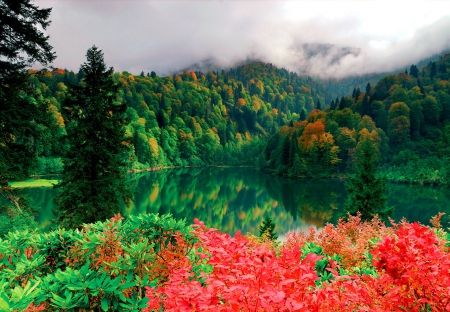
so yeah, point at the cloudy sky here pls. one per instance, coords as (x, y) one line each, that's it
(324, 38)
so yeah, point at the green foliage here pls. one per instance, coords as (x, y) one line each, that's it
(93, 185)
(267, 229)
(22, 113)
(366, 190)
(102, 267)
(410, 113)
(22, 42)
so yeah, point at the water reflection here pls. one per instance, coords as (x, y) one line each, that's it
(232, 199)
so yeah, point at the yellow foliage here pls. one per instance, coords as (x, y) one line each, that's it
(154, 194)
(153, 147)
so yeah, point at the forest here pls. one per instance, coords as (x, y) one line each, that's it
(258, 114)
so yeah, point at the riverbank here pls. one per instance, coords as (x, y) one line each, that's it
(34, 183)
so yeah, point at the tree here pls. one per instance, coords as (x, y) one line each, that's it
(398, 124)
(366, 190)
(433, 70)
(21, 44)
(267, 229)
(93, 185)
(414, 71)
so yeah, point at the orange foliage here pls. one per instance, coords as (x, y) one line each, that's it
(59, 71)
(316, 115)
(304, 89)
(351, 240)
(241, 102)
(312, 129)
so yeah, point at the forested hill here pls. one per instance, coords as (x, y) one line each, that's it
(192, 118)
(407, 116)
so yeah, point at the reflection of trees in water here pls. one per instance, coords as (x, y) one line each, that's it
(419, 203)
(233, 199)
(314, 201)
(238, 198)
(229, 199)
(41, 198)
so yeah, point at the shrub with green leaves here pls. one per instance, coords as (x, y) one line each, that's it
(105, 266)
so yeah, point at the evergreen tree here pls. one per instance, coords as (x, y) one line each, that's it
(342, 104)
(93, 186)
(318, 105)
(21, 44)
(414, 71)
(366, 190)
(368, 87)
(303, 114)
(433, 70)
(365, 106)
(332, 105)
(267, 229)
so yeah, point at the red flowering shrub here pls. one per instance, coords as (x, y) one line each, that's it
(412, 273)
(351, 240)
(415, 270)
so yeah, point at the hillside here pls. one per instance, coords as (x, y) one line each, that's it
(191, 118)
(407, 116)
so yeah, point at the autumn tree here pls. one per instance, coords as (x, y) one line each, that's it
(93, 186)
(366, 190)
(22, 43)
(398, 124)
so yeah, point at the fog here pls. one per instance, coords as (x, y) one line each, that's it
(320, 38)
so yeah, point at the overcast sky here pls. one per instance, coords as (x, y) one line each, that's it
(325, 38)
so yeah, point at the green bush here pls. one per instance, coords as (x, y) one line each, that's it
(102, 267)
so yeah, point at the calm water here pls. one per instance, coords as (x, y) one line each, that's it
(232, 199)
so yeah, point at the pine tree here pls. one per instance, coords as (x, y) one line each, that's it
(366, 190)
(414, 71)
(433, 70)
(365, 110)
(318, 105)
(267, 229)
(302, 114)
(21, 44)
(93, 186)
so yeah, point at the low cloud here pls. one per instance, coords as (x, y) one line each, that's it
(169, 36)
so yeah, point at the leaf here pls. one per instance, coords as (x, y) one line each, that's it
(104, 304)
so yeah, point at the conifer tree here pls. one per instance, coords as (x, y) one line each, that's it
(94, 184)
(267, 229)
(21, 44)
(366, 190)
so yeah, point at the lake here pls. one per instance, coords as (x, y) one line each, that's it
(232, 199)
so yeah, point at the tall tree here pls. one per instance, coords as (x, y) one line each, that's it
(366, 190)
(414, 71)
(21, 44)
(433, 70)
(94, 184)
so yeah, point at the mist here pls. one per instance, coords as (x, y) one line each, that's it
(318, 38)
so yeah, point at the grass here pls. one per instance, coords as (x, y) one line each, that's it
(34, 183)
